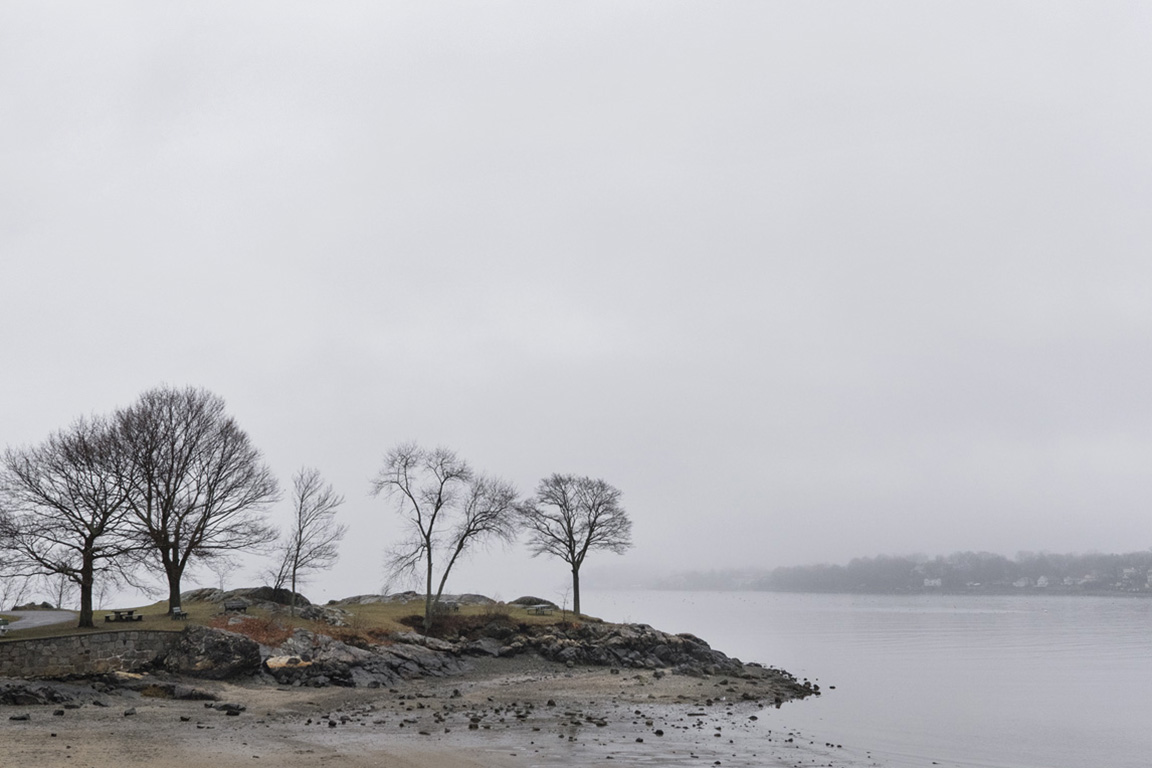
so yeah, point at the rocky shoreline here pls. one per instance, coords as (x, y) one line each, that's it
(499, 693)
(317, 659)
(308, 658)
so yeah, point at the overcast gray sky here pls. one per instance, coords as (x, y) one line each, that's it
(804, 280)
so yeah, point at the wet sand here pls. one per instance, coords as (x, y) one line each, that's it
(520, 712)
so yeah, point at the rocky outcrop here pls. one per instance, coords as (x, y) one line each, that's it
(599, 644)
(311, 659)
(248, 594)
(275, 601)
(636, 645)
(413, 597)
(213, 654)
(529, 600)
(621, 645)
(317, 660)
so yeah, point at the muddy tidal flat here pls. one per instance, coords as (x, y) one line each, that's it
(503, 712)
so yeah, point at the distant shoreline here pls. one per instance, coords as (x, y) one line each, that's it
(990, 592)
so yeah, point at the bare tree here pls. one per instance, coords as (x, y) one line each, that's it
(196, 486)
(312, 543)
(13, 585)
(449, 509)
(72, 514)
(570, 516)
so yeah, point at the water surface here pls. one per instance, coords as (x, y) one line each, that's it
(988, 681)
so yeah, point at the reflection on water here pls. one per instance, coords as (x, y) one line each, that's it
(1010, 682)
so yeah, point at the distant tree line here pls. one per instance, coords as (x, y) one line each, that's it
(171, 482)
(958, 572)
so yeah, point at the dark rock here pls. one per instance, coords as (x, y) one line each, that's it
(485, 646)
(25, 694)
(188, 693)
(213, 654)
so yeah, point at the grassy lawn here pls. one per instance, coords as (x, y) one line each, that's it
(374, 619)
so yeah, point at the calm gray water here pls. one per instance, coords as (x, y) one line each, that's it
(994, 682)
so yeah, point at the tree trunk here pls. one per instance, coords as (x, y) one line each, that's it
(428, 600)
(86, 579)
(173, 588)
(292, 599)
(576, 592)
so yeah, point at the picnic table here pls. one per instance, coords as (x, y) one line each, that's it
(125, 615)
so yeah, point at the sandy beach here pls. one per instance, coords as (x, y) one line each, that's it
(518, 712)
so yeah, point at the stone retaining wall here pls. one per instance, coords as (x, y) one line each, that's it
(84, 654)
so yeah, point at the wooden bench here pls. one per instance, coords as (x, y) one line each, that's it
(128, 615)
(540, 610)
(236, 605)
(178, 613)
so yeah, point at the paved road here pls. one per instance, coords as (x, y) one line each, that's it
(29, 619)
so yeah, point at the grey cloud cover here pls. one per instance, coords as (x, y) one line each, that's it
(804, 280)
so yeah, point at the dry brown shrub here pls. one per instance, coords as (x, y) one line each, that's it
(264, 631)
(360, 638)
(467, 626)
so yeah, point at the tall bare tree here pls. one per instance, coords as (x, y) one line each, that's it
(196, 486)
(570, 516)
(72, 513)
(448, 508)
(312, 542)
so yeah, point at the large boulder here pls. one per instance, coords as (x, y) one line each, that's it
(529, 600)
(213, 654)
(251, 594)
(269, 595)
(311, 659)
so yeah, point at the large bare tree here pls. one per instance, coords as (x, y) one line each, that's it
(71, 518)
(196, 486)
(570, 516)
(312, 542)
(448, 507)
